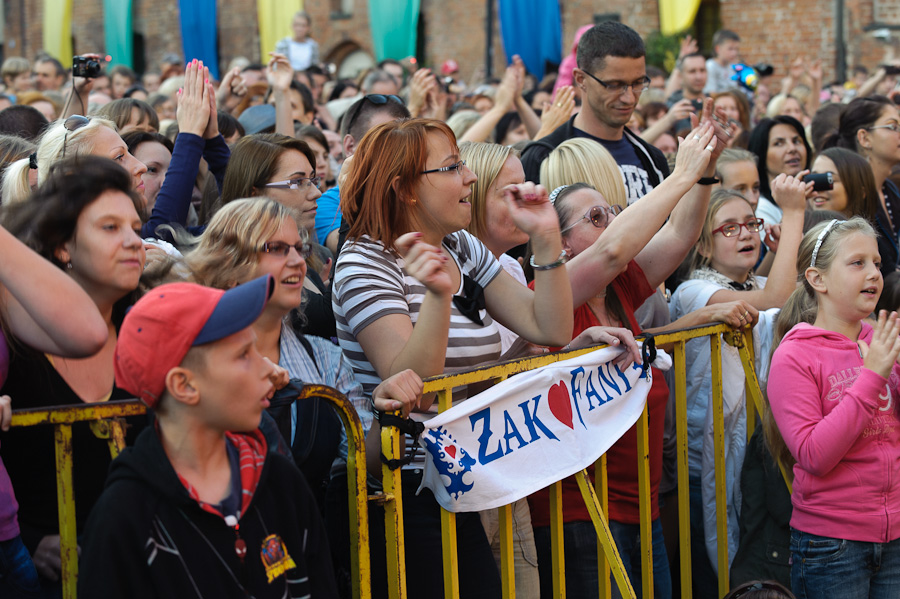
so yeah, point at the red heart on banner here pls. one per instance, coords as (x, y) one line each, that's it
(451, 451)
(560, 404)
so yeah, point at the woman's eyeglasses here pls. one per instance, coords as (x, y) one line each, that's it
(733, 229)
(446, 169)
(280, 248)
(303, 183)
(73, 123)
(599, 216)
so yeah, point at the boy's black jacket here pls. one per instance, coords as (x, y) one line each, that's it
(147, 537)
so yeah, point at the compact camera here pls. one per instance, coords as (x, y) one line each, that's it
(821, 181)
(87, 67)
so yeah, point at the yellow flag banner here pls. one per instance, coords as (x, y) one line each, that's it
(275, 18)
(677, 15)
(58, 30)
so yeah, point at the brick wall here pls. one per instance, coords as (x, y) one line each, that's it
(774, 31)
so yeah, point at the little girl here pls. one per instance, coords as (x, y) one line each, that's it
(832, 383)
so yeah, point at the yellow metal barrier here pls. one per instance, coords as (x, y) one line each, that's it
(595, 496)
(103, 417)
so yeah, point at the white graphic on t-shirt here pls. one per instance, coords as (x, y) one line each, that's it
(637, 182)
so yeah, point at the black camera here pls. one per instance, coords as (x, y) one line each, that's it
(821, 181)
(87, 67)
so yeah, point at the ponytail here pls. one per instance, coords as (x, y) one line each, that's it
(15, 182)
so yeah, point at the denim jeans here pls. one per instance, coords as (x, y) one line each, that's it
(828, 567)
(628, 541)
(582, 578)
(18, 578)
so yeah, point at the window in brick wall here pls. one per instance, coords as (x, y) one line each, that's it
(341, 9)
(706, 24)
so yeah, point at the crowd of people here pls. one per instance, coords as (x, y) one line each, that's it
(208, 246)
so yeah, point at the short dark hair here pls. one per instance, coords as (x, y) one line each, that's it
(122, 71)
(654, 71)
(724, 35)
(358, 118)
(133, 139)
(692, 55)
(228, 125)
(60, 69)
(608, 39)
(860, 113)
(23, 121)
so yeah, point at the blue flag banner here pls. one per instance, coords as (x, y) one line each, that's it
(533, 429)
(198, 33)
(533, 30)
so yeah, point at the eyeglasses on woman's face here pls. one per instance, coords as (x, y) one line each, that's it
(599, 216)
(304, 183)
(280, 248)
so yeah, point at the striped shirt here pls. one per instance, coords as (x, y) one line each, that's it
(371, 282)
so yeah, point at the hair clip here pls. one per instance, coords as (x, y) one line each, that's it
(32, 161)
(820, 239)
(556, 192)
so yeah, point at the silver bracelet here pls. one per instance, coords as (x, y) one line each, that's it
(563, 258)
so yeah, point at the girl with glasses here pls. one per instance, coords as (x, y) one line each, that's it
(722, 271)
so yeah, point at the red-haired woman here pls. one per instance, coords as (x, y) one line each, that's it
(413, 289)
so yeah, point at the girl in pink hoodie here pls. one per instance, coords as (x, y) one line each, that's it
(831, 386)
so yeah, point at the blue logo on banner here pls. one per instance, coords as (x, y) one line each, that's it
(451, 460)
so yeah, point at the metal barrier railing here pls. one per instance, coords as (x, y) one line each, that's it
(106, 426)
(103, 418)
(595, 496)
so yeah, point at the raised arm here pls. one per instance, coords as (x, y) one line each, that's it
(790, 193)
(543, 316)
(44, 307)
(627, 235)
(280, 74)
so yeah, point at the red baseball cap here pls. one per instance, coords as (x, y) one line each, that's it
(169, 320)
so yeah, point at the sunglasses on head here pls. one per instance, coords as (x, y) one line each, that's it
(376, 99)
(73, 123)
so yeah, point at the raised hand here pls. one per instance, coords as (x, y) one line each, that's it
(419, 85)
(530, 209)
(279, 72)
(790, 192)
(425, 263)
(880, 354)
(231, 90)
(557, 112)
(688, 46)
(193, 100)
(695, 151)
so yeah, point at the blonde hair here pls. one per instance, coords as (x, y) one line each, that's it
(719, 198)
(582, 160)
(14, 66)
(228, 253)
(462, 121)
(54, 143)
(485, 160)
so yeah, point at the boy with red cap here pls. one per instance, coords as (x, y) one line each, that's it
(199, 507)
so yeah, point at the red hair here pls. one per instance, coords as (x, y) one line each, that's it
(370, 201)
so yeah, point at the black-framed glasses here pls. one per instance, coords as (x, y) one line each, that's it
(733, 229)
(303, 183)
(618, 87)
(280, 248)
(599, 216)
(73, 123)
(446, 169)
(376, 99)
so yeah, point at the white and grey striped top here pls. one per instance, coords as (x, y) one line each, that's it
(371, 282)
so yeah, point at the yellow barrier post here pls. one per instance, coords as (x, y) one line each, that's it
(68, 541)
(684, 499)
(718, 408)
(643, 452)
(601, 487)
(557, 545)
(448, 526)
(392, 445)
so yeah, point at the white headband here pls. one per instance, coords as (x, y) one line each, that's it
(556, 192)
(820, 239)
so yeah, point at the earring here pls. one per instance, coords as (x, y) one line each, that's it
(69, 265)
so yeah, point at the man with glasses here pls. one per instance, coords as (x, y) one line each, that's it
(367, 112)
(611, 75)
